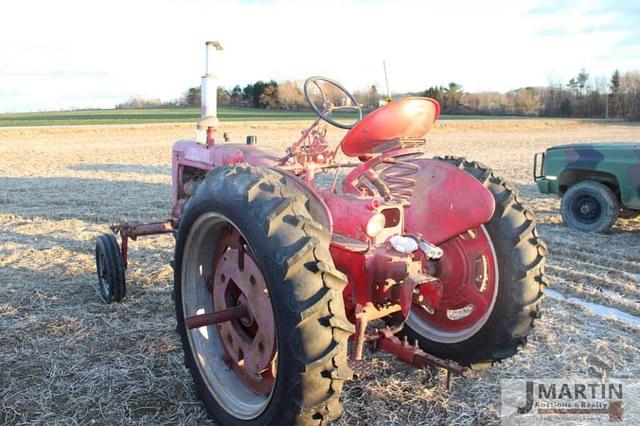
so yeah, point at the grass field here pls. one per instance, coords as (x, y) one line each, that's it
(165, 115)
(68, 359)
(140, 116)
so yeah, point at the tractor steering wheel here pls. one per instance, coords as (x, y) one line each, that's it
(327, 108)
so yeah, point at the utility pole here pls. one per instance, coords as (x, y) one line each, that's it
(386, 81)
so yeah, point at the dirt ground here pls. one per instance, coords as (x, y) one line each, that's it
(66, 358)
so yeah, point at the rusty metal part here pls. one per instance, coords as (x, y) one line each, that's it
(413, 355)
(446, 200)
(356, 212)
(365, 314)
(399, 176)
(390, 174)
(397, 276)
(430, 251)
(312, 147)
(250, 345)
(347, 243)
(141, 229)
(398, 143)
(203, 320)
(469, 274)
(128, 231)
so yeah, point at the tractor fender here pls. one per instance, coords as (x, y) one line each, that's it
(318, 208)
(446, 202)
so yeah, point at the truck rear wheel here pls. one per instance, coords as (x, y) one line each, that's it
(492, 279)
(590, 206)
(247, 238)
(628, 214)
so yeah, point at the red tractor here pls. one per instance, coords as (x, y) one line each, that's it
(277, 270)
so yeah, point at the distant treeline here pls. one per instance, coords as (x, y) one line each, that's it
(287, 95)
(581, 97)
(618, 97)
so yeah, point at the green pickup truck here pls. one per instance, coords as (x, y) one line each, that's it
(598, 182)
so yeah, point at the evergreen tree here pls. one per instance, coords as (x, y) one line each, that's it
(615, 96)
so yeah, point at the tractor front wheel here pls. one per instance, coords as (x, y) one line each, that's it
(110, 268)
(492, 279)
(247, 241)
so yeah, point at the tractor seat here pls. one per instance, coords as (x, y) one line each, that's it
(407, 119)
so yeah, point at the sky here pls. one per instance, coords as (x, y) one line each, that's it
(76, 54)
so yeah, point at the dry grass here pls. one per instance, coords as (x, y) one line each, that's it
(66, 358)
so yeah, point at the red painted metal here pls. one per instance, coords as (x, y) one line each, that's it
(389, 174)
(197, 156)
(426, 199)
(407, 118)
(354, 212)
(446, 202)
(363, 315)
(250, 344)
(203, 320)
(128, 231)
(413, 355)
(468, 274)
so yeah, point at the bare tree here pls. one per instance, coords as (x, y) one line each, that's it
(290, 95)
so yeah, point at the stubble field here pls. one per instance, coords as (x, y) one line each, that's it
(66, 358)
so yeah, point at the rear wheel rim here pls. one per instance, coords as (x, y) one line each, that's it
(213, 249)
(469, 274)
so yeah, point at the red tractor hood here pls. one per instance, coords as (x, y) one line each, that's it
(407, 118)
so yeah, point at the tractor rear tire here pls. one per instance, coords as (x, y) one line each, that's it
(291, 252)
(110, 268)
(519, 257)
(590, 206)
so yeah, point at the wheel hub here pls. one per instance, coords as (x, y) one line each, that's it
(469, 277)
(249, 343)
(586, 208)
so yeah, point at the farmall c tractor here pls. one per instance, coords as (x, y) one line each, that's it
(280, 279)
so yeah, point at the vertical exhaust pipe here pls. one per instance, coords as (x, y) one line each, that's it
(209, 93)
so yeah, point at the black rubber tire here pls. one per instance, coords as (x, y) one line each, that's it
(606, 202)
(292, 252)
(521, 257)
(113, 286)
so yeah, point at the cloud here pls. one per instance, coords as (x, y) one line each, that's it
(53, 74)
(146, 48)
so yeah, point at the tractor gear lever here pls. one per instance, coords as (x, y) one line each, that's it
(429, 250)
